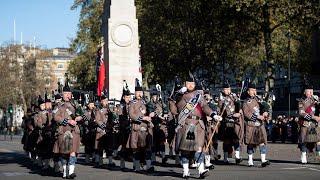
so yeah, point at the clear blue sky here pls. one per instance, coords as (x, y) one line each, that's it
(52, 22)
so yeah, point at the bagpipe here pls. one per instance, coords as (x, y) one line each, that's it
(265, 102)
(177, 90)
(113, 121)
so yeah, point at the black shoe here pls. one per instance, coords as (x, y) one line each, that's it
(72, 176)
(97, 165)
(250, 165)
(264, 164)
(210, 167)
(217, 157)
(123, 169)
(164, 161)
(150, 170)
(203, 174)
(226, 162)
(186, 176)
(112, 165)
(238, 161)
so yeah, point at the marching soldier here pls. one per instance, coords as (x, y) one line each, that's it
(173, 118)
(125, 127)
(232, 127)
(113, 133)
(55, 125)
(140, 138)
(100, 139)
(47, 133)
(309, 123)
(159, 121)
(192, 109)
(89, 135)
(255, 118)
(39, 122)
(68, 132)
(210, 126)
(28, 133)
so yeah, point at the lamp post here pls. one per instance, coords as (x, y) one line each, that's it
(10, 110)
(289, 73)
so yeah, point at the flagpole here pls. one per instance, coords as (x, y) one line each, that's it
(14, 32)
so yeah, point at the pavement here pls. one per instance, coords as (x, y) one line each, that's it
(284, 158)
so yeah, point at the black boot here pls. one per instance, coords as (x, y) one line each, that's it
(264, 164)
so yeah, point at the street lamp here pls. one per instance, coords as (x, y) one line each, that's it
(289, 73)
(10, 111)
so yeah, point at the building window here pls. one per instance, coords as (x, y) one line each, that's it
(46, 66)
(60, 66)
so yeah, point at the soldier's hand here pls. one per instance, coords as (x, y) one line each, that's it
(72, 122)
(236, 115)
(143, 111)
(261, 118)
(152, 114)
(265, 114)
(217, 118)
(146, 118)
(78, 118)
(317, 118)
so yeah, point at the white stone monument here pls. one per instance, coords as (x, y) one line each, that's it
(122, 49)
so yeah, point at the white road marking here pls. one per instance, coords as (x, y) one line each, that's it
(293, 168)
(10, 174)
(313, 169)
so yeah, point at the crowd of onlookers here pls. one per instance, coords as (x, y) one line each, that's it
(283, 129)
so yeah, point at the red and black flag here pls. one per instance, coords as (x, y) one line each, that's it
(101, 71)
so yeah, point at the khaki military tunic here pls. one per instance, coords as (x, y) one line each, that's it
(309, 129)
(231, 129)
(194, 120)
(255, 131)
(141, 132)
(68, 137)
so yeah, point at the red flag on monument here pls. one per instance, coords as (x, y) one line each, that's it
(101, 71)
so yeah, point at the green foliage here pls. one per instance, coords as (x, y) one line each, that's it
(86, 43)
(246, 37)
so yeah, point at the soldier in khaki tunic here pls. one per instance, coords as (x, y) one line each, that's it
(159, 121)
(48, 133)
(125, 127)
(45, 140)
(140, 138)
(101, 118)
(112, 133)
(89, 135)
(40, 120)
(54, 127)
(309, 123)
(210, 126)
(255, 118)
(68, 132)
(232, 127)
(192, 110)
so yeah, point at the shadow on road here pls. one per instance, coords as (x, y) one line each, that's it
(22, 160)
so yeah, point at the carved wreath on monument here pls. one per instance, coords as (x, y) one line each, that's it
(122, 34)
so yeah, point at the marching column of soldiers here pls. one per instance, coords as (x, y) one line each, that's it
(190, 123)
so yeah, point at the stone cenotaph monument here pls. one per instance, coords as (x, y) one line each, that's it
(122, 47)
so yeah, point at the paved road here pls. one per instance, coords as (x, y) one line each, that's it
(15, 165)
